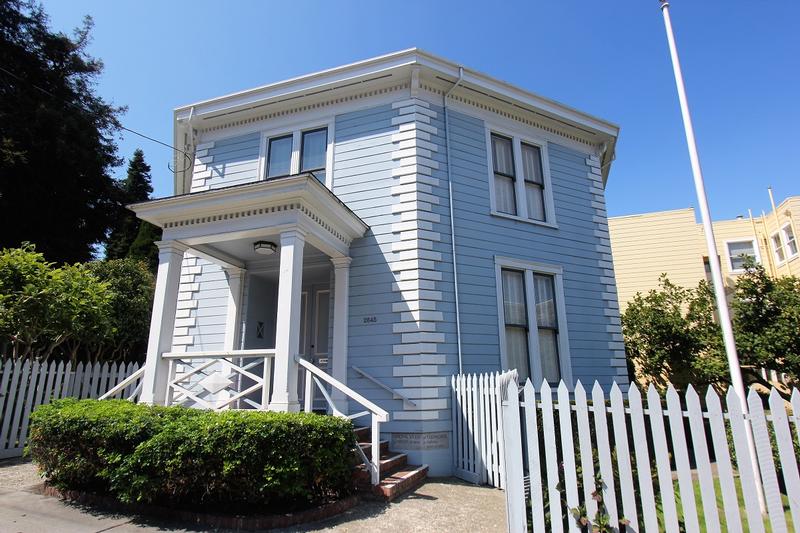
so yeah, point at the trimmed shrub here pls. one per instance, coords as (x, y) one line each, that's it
(233, 461)
(79, 444)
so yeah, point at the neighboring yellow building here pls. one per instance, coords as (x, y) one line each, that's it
(672, 242)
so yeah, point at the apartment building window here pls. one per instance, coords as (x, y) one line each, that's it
(313, 152)
(790, 241)
(520, 179)
(504, 176)
(739, 251)
(532, 319)
(279, 157)
(777, 247)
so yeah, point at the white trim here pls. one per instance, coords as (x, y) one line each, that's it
(295, 128)
(756, 251)
(530, 268)
(519, 136)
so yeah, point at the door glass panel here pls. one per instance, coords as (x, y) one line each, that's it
(303, 328)
(321, 340)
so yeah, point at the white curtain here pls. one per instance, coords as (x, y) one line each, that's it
(502, 155)
(516, 320)
(504, 197)
(547, 323)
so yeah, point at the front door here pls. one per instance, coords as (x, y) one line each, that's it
(315, 332)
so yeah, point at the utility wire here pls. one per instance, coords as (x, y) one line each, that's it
(51, 95)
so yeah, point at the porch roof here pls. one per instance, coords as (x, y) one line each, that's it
(257, 210)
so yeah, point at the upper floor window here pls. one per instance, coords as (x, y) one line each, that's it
(790, 241)
(520, 179)
(295, 152)
(777, 247)
(739, 251)
(313, 152)
(532, 318)
(279, 156)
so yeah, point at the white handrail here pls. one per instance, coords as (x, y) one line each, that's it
(219, 354)
(124, 383)
(396, 395)
(378, 415)
(383, 416)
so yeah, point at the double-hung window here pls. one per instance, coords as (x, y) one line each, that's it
(520, 180)
(739, 251)
(294, 152)
(533, 341)
(313, 152)
(790, 241)
(505, 196)
(777, 247)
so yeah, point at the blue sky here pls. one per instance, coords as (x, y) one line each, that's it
(610, 59)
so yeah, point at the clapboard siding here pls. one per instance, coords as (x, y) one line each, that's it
(227, 162)
(579, 245)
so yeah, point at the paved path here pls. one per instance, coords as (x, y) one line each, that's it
(439, 505)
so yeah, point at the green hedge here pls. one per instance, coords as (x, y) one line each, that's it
(231, 461)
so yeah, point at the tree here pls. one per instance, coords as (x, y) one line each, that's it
(670, 336)
(131, 285)
(143, 247)
(136, 187)
(766, 314)
(56, 138)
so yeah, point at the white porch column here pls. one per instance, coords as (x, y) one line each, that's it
(233, 318)
(341, 307)
(162, 321)
(287, 339)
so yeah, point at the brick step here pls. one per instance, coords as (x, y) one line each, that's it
(362, 434)
(390, 462)
(366, 447)
(400, 482)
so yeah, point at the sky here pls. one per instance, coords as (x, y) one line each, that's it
(741, 64)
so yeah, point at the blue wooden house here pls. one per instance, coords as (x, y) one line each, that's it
(348, 240)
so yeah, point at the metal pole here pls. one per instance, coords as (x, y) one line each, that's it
(713, 259)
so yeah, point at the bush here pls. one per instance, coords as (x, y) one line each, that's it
(233, 461)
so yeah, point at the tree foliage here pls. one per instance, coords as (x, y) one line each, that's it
(136, 187)
(766, 314)
(671, 334)
(56, 138)
(89, 311)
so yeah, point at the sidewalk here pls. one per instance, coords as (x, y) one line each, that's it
(438, 505)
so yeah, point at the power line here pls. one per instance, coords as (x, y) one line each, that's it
(51, 95)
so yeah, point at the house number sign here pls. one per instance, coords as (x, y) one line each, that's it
(370, 319)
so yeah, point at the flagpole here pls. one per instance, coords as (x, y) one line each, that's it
(723, 312)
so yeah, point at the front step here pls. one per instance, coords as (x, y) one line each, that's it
(397, 477)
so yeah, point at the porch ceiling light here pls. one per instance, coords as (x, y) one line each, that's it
(264, 247)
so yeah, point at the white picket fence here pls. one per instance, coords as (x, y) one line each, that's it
(478, 426)
(554, 439)
(26, 385)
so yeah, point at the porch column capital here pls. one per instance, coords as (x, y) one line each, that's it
(292, 236)
(341, 262)
(171, 246)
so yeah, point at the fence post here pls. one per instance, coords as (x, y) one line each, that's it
(514, 482)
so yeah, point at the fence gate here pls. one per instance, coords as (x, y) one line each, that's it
(26, 385)
(478, 426)
(679, 463)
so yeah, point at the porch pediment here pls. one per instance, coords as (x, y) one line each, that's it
(257, 210)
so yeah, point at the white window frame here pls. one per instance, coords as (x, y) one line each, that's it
(779, 247)
(534, 360)
(518, 138)
(296, 131)
(728, 253)
(785, 240)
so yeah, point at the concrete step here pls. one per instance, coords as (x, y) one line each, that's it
(362, 433)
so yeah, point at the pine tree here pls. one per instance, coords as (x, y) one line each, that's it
(57, 138)
(136, 187)
(143, 246)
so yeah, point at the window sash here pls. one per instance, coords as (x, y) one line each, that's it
(739, 251)
(283, 166)
(547, 326)
(313, 153)
(777, 246)
(534, 195)
(503, 156)
(791, 241)
(505, 195)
